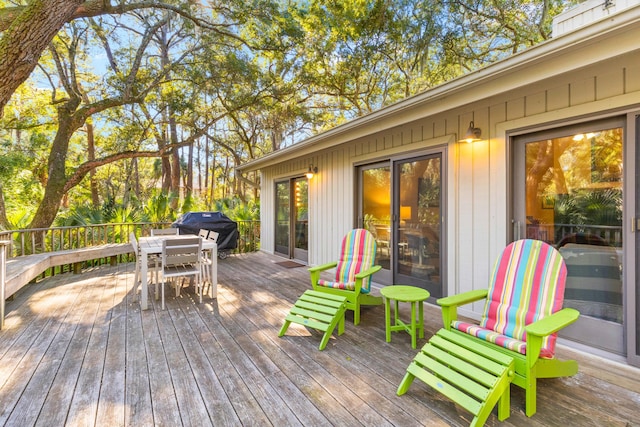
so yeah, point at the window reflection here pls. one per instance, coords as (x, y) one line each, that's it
(574, 201)
(376, 209)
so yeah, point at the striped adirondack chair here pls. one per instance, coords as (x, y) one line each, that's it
(353, 272)
(522, 314)
(527, 285)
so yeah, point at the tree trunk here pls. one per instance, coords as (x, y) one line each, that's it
(4, 221)
(22, 44)
(199, 169)
(57, 179)
(175, 161)
(91, 155)
(188, 185)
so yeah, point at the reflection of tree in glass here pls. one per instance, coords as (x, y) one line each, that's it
(429, 194)
(582, 173)
(589, 207)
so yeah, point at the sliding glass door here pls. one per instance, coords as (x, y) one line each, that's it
(401, 204)
(418, 210)
(375, 213)
(292, 218)
(569, 192)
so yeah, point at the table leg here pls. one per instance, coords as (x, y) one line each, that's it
(396, 312)
(413, 324)
(213, 290)
(421, 308)
(387, 318)
(143, 280)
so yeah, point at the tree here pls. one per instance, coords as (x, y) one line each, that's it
(250, 78)
(28, 30)
(128, 84)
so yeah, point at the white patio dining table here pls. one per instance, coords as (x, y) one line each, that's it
(153, 246)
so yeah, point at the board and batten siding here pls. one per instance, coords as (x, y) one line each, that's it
(478, 225)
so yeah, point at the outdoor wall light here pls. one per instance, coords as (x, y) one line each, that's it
(473, 133)
(312, 170)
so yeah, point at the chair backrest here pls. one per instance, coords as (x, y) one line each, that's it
(164, 231)
(527, 284)
(181, 251)
(203, 233)
(357, 254)
(213, 236)
(134, 242)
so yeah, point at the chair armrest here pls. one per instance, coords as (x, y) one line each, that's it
(536, 331)
(315, 272)
(451, 303)
(361, 276)
(368, 272)
(463, 299)
(553, 323)
(323, 267)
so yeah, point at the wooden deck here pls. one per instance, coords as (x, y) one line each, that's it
(77, 350)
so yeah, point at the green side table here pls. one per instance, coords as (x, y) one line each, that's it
(401, 293)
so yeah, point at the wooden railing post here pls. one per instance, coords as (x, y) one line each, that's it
(3, 278)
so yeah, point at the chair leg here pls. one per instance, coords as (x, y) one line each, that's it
(530, 394)
(136, 280)
(204, 279)
(356, 315)
(162, 294)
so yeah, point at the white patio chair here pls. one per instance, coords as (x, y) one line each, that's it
(181, 257)
(164, 231)
(136, 251)
(206, 260)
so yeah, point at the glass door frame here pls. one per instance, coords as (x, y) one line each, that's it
(612, 337)
(631, 232)
(439, 153)
(385, 274)
(297, 231)
(390, 276)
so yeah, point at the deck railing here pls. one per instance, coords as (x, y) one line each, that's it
(557, 234)
(41, 240)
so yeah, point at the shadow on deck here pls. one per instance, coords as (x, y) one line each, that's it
(77, 350)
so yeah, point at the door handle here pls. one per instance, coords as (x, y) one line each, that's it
(516, 230)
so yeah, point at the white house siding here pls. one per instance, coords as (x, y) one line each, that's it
(590, 74)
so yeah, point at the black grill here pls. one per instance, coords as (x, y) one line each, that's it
(227, 229)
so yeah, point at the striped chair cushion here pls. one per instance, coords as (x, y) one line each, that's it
(491, 336)
(527, 284)
(357, 254)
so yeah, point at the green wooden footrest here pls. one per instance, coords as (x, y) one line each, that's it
(320, 311)
(472, 375)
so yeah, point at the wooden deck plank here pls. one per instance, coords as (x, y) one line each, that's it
(111, 402)
(138, 410)
(314, 372)
(343, 367)
(236, 391)
(271, 403)
(77, 350)
(21, 363)
(217, 404)
(56, 359)
(259, 351)
(58, 400)
(192, 408)
(83, 406)
(163, 398)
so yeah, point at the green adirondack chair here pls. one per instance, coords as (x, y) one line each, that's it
(522, 315)
(353, 272)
